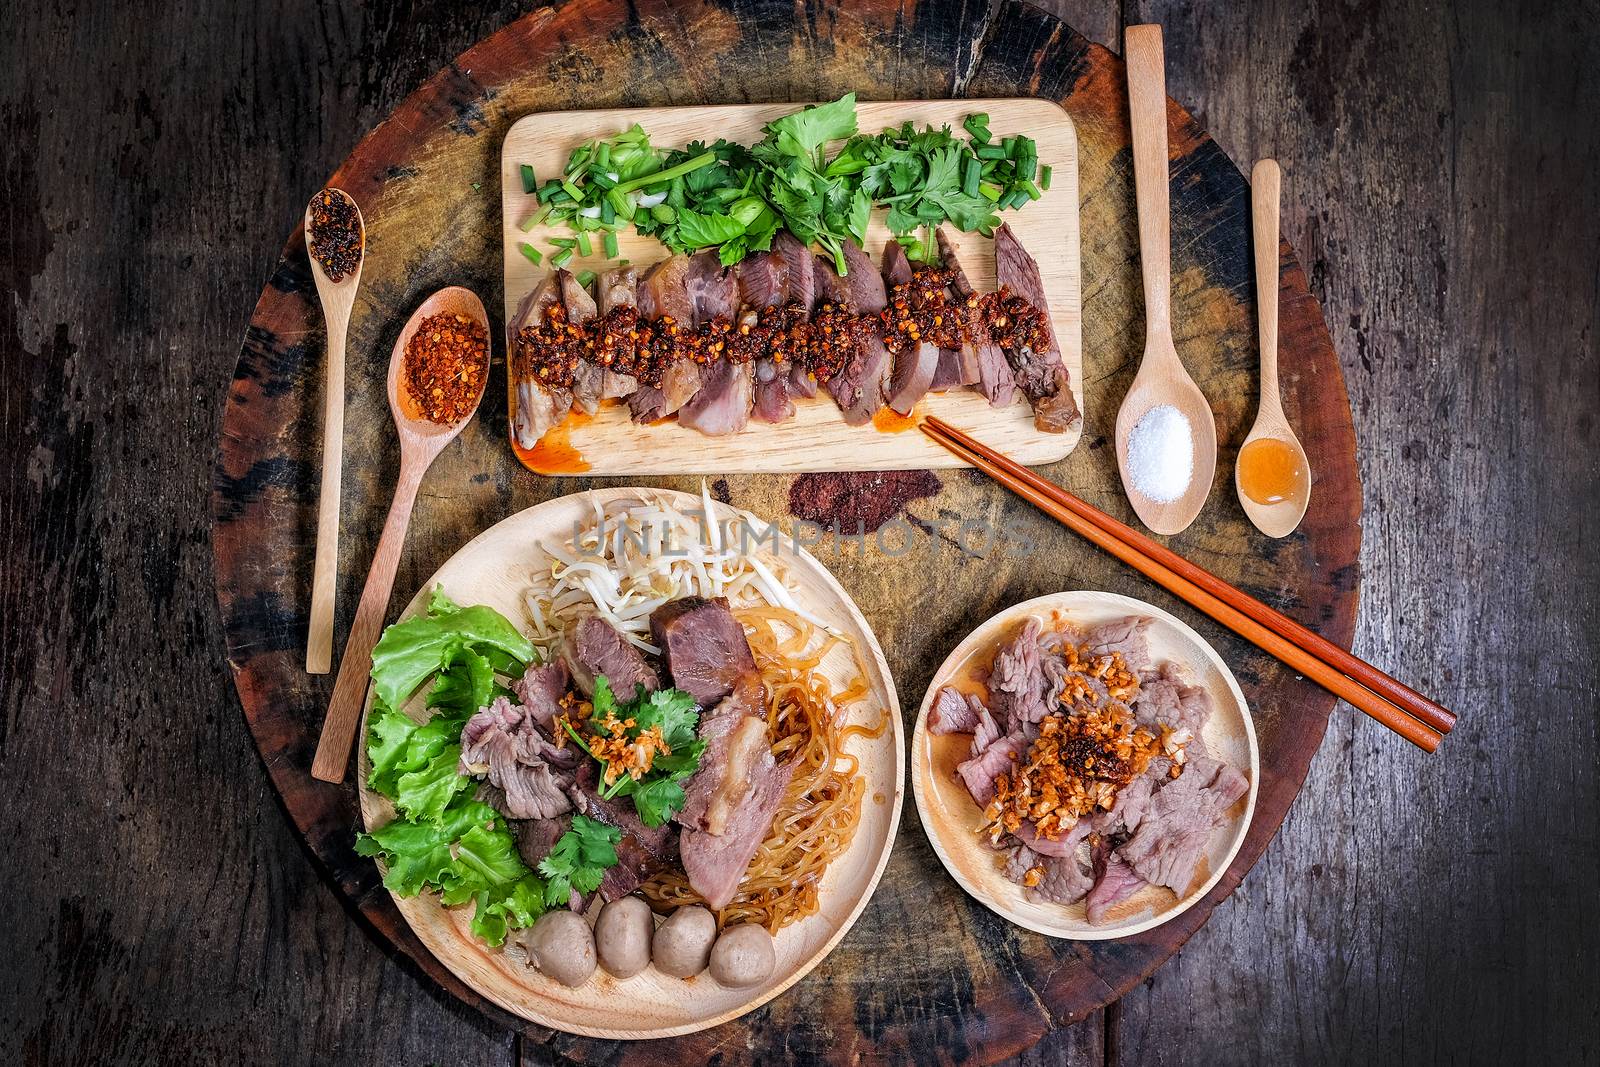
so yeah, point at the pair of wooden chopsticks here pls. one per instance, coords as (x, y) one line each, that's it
(1400, 708)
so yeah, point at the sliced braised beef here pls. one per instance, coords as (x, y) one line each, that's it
(859, 387)
(539, 407)
(643, 850)
(705, 647)
(1063, 846)
(587, 375)
(505, 741)
(615, 288)
(1040, 372)
(722, 405)
(594, 647)
(738, 745)
(800, 282)
(540, 690)
(763, 289)
(914, 366)
(982, 363)
(664, 293)
(715, 865)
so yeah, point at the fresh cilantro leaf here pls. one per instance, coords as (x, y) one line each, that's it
(671, 709)
(807, 130)
(579, 860)
(657, 801)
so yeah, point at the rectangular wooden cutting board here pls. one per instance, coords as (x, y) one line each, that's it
(817, 438)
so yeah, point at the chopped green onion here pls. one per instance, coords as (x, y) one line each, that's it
(534, 219)
(584, 247)
(548, 193)
(571, 190)
(586, 278)
(620, 204)
(974, 173)
(664, 213)
(601, 180)
(1044, 177)
(610, 244)
(608, 214)
(705, 159)
(990, 151)
(603, 158)
(530, 184)
(531, 252)
(1025, 168)
(561, 258)
(563, 242)
(1032, 190)
(978, 127)
(990, 191)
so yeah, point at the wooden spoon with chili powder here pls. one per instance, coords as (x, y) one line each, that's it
(421, 441)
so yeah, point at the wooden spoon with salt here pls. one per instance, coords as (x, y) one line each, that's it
(337, 299)
(421, 442)
(1272, 464)
(1162, 380)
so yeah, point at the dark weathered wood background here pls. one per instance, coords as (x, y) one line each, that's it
(1440, 187)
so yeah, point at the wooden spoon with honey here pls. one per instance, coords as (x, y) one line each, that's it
(1271, 476)
(421, 441)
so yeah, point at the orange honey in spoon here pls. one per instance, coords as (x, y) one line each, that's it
(1270, 471)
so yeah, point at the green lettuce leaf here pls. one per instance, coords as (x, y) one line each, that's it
(510, 906)
(409, 652)
(423, 794)
(418, 855)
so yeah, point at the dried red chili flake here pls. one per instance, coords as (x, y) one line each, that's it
(336, 234)
(446, 362)
(1015, 324)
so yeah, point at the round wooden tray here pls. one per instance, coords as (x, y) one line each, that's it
(495, 568)
(927, 972)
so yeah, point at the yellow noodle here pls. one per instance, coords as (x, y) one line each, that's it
(821, 809)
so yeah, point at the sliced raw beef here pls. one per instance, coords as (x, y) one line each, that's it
(1065, 881)
(704, 645)
(1018, 687)
(979, 772)
(504, 741)
(594, 647)
(1128, 636)
(953, 712)
(1168, 700)
(1020, 859)
(1114, 882)
(1040, 374)
(1173, 834)
(1063, 847)
(716, 865)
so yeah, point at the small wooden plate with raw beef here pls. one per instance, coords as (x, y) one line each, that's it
(1085, 765)
(630, 773)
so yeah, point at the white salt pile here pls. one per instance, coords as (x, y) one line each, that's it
(1161, 454)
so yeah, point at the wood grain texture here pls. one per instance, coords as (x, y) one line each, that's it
(817, 438)
(163, 911)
